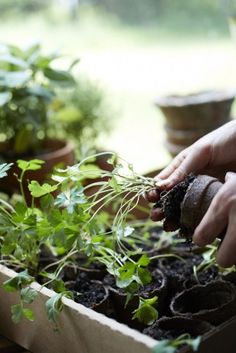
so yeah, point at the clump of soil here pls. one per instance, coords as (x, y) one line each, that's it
(170, 203)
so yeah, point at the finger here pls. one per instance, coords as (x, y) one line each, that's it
(230, 176)
(156, 214)
(226, 256)
(165, 173)
(152, 196)
(214, 221)
(197, 159)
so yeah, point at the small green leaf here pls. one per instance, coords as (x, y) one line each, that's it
(114, 185)
(34, 164)
(58, 75)
(15, 283)
(5, 98)
(144, 260)
(16, 313)
(14, 79)
(194, 343)
(38, 190)
(4, 167)
(146, 313)
(54, 305)
(28, 295)
(28, 314)
(164, 347)
(144, 275)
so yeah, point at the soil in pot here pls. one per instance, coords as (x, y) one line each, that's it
(89, 293)
(214, 302)
(171, 328)
(94, 270)
(124, 314)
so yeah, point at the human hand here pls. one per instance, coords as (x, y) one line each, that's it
(221, 215)
(213, 154)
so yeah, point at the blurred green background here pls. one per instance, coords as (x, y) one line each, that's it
(136, 50)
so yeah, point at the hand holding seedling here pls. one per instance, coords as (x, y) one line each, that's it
(213, 154)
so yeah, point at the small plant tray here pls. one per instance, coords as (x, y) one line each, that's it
(81, 330)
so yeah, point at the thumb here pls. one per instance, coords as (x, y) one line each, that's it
(230, 176)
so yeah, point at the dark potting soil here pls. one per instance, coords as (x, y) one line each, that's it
(160, 334)
(170, 202)
(86, 292)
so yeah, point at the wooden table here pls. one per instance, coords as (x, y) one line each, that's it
(7, 346)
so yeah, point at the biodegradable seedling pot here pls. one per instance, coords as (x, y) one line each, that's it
(197, 201)
(187, 202)
(124, 313)
(188, 117)
(214, 302)
(172, 327)
(95, 296)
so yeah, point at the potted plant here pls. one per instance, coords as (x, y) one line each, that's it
(42, 243)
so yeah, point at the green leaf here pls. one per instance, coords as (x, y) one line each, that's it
(58, 75)
(34, 164)
(5, 97)
(114, 185)
(54, 305)
(14, 79)
(12, 60)
(15, 283)
(146, 313)
(28, 314)
(194, 343)
(144, 260)
(70, 198)
(144, 275)
(28, 295)
(4, 167)
(17, 313)
(164, 347)
(38, 190)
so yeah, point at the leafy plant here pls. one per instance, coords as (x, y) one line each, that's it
(28, 82)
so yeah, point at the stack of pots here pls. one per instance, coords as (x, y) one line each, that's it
(189, 117)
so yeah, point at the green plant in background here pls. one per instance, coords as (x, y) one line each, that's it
(28, 80)
(82, 114)
(172, 346)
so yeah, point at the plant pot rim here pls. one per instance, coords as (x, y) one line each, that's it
(196, 98)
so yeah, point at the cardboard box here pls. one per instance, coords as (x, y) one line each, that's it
(82, 330)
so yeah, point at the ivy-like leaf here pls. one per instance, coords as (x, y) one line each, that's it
(164, 347)
(70, 198)
(15, 283)
(146, 313)
(54, 305)
(38, 190)
(28, 295)
(4, 167)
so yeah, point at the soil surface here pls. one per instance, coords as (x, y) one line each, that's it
(86, 292)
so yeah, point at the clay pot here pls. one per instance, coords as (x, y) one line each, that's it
(101, 306)
(214, 302)
(189, 117)
(172, 327)
(124, 313)
(56, 153)
(197, 201)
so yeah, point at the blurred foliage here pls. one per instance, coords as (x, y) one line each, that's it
(82, 114)
(201, 14)
(39, 101)
(16, 6)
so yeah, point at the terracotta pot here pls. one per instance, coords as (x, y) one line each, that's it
(214, 302)
(189, 117)
(57, 153)
(172, 327)
(197, 201)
